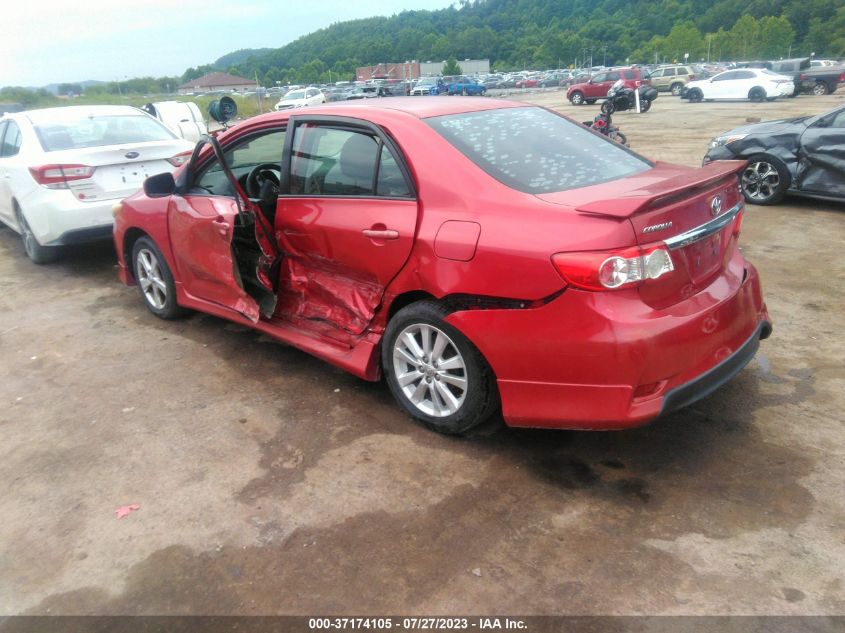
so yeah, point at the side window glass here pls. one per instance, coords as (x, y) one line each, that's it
(724, 77)
(241, 159)
(669, 72)
(630, 74)
(333, 162)
(612, 76)
(599, 78)
(390, 181)
(657, 74)
(838, 120)
(11, 140)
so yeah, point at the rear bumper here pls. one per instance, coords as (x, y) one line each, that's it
(701, 387)
(102, 233)
(608, 361)
(56, 217)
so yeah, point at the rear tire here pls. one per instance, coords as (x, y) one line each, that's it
(155, 281)
(764, 180)
(676, 89)
(435, 373)
(820, 89)
(645, 105)
(695, 95)
(36, 252)
(757, 95)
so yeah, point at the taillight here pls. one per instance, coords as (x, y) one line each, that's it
(802, 77)
(57, 176)
(609, 270)
(180, 159)
(842, 78)
(692, 77)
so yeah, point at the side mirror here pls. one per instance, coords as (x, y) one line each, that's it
(160, 185)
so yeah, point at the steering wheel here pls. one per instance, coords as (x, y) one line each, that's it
(261, 173)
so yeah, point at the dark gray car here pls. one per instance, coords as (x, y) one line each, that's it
(804, 156)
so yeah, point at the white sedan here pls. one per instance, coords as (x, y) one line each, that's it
(754, 84)
(62, 169)
(301, 98)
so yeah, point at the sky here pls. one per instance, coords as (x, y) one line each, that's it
(47, 41)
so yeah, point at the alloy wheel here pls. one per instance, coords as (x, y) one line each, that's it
(760, 181)
(150, 278)
(820, 89)
(430, 370)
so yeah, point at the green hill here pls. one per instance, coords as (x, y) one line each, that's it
(552, 33)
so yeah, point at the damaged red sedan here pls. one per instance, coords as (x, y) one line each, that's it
(481, 255)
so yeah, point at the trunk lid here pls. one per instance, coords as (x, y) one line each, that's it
(119, 170)
(695, 212)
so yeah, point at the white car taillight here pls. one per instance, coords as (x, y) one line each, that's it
(180, 159)
(57, 176)
(614, 269)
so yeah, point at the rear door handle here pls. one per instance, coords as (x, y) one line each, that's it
(381, 234)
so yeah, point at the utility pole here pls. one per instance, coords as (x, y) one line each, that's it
(709, 42)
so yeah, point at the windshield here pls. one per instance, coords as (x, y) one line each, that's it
(536, 151)
(97, 131)
(427, 81)
(293, 96)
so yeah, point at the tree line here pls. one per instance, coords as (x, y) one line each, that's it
(516, 34)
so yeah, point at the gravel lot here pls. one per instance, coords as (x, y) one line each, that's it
(269, 482)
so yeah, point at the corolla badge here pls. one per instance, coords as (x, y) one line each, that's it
(715, 206)
(132, 154)
(657, 227)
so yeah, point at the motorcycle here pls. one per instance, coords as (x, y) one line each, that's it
(603, 124)
(621, 98)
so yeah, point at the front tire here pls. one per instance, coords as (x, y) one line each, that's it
(155, 281)
(695, 95)
(576, 98)
(645, 105)
(36, 252)
(435, 373)
(764, 180)
(607, 107)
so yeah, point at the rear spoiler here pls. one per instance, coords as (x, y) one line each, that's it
(666, 191)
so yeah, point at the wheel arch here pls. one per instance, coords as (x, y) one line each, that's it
(130, 236)
(16, 208)
(406, 299)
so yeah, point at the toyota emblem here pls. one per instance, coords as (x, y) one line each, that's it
(716, 206)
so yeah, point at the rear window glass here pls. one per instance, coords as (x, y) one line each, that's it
(535, 151)
(97, 131)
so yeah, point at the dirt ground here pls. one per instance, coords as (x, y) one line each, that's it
(270, 483)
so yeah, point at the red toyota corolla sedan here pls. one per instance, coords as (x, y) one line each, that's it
(479, 254)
